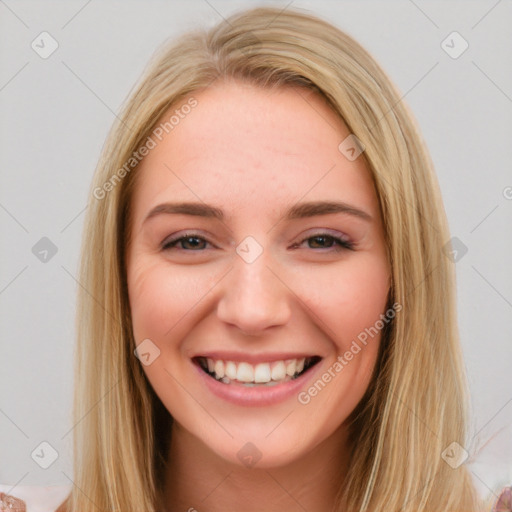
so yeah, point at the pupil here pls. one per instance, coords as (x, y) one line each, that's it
(194, 240)
(322, 238)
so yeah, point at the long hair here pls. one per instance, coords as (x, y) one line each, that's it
(416, 404)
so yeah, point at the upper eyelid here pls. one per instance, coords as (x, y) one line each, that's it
(320, 231)
(186, 234)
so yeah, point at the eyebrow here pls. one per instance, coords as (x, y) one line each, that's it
(298, 211)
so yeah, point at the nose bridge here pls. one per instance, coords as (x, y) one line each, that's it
(253, 297)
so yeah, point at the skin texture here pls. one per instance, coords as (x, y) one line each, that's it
(254, 153)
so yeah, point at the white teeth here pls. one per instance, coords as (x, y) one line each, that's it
(291, 367)
(279, 371)
(245, 372)
(261, 373)
(230, 370)
(219, 369)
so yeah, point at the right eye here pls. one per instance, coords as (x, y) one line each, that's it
(188, 242)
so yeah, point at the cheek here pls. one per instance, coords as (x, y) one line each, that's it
(349, 304)
(347, 300)
(161, 297)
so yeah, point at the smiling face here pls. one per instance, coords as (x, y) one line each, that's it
(258, 289)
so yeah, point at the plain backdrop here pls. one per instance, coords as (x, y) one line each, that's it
(55, 113)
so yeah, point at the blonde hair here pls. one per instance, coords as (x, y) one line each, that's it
(416, 404)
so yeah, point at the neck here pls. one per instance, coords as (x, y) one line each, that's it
(198, 480)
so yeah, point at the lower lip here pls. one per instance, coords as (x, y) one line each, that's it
(257, 395)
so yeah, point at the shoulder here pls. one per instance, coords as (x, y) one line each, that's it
(64, 504)
(504, 501)
(62, 508)
(33, 497)
(10, 502)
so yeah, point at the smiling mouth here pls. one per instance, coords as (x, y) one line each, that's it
(261, 374)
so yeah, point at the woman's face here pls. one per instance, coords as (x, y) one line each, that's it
(251, 273)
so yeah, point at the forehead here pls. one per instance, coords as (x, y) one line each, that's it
(245, 148)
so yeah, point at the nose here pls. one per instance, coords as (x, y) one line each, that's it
(254, 296)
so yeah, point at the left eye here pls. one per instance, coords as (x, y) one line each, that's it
(326, 241)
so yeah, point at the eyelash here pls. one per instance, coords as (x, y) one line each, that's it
(342, 244)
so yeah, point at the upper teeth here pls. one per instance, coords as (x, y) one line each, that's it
(258, 373)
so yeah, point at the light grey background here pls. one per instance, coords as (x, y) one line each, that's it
(55, 114)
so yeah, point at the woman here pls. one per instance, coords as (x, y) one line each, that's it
(266, 312)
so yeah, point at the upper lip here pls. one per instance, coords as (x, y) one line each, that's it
(253, 358)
